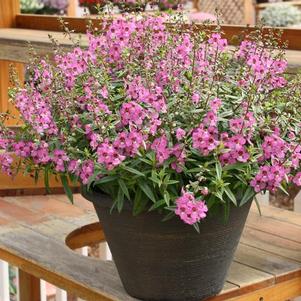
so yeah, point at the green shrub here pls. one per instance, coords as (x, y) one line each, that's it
(30, 6)
(281, 15)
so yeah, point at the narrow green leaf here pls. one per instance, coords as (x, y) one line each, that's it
(230, 195)
(196, 227)
(147, 190)
(168, 216)
(258, 206)
(148, 162)
(167, 198)
(46, 180)
(219, 170)
(133, 171)
(124, 188)
(36, 176)
(106, 179)
(249, 194)
(157, 205)
(67, 188)
(238, 166)
(140, 202)
(120, 199)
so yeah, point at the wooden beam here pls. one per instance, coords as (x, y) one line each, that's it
(72, 7)
(249, 11)
(29, 287)
(282, 291)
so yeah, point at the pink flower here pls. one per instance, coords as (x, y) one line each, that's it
(180, 133)
(160, 147)
(297, 179)
(215, 104)
(59, 158)
(6, 162)
(109, 156)
(204, 141)
(132, 112)
(87, 170)
(195, 98)
(269, 178)
(189, 209)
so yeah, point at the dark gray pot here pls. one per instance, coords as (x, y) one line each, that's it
(169, 261)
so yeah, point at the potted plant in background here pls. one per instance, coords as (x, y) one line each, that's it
(281, 15)
(94, 6)
(170, 4)
(129, 6)
(44, 7)
(171, 134)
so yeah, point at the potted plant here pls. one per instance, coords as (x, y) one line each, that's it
(171, 134)
(130, 6)
(170, 4)
(281, 15)
(94, 6)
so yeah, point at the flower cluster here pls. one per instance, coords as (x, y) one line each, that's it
(164, 117)
(189, 209)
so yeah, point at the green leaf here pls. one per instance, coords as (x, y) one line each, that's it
(120, 199)
(196, 227)
(249, 194)
(106, 179)
(281, 187)
(167, 197)
(226, 212)
(219, 170)
(219, 194)
(147, 190)
(238, 166)
(168, 216)
(124, 188)
(258, 206)
(148, 162)
(133, 171)
(46, 180)
(67, 188)
(157, 205)
(230, 195)
(140, 202)
(170, 182)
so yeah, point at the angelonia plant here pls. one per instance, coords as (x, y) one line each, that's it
(165, 117)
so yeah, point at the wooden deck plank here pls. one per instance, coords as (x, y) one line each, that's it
(279, 292)
(282, 268)
(279, 214)
(272, 243)
(268, 225)
(248, 277)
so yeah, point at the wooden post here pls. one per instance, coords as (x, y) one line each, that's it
(71, 12)
(249, 9)
(8, 11)
(29, 287)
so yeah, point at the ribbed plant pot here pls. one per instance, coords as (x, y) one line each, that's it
(169, 260)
